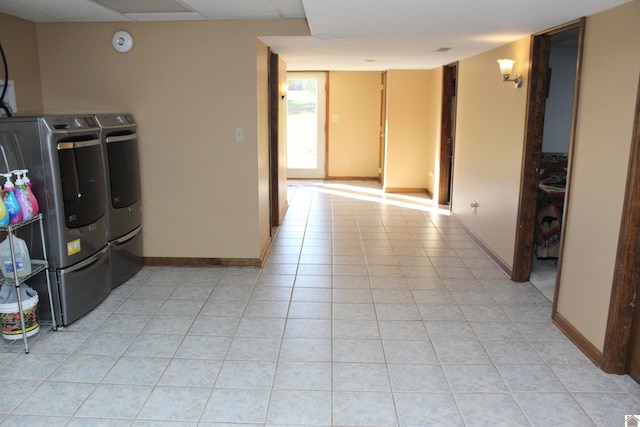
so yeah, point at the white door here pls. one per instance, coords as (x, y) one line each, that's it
(306, 116)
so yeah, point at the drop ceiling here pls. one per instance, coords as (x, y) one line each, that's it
(346, 34)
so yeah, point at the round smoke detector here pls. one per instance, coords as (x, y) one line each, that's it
(122, 41)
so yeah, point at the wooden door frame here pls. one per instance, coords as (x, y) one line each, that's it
(626, 279)
(536, 104)
(383, 127)
(449, 80)
(274, 118)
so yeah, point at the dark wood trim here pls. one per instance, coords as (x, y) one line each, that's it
(577, 338)
(409, 191)
(266, 250)
(446, 130)
(383, 128)
(327, 93)
(202, 262)
(429, 193)
(274, 121)
(485, 248)
(562, 27)
(212, 262)
(626, 278)
(536, 104)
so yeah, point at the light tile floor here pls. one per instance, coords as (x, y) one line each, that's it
(368, 313)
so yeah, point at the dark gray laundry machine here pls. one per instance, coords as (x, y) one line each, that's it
(63, 155)
(118, 133)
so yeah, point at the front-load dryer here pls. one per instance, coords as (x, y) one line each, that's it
(118, 134)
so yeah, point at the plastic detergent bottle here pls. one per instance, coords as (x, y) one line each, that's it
(4, 215)
(10, 201)
(32, 197)
(23, 198)
(21, 253)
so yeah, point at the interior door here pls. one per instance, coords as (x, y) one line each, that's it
(306, 124)
(448, 133)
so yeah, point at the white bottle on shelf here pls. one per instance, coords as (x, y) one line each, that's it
(21, 253)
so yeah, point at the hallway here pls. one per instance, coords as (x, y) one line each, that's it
(371, 311)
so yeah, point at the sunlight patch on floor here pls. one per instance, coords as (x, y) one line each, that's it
(372, 191)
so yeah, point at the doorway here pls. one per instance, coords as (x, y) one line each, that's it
(449, 78)
(551, 117)
(554, 159)
(306, 124)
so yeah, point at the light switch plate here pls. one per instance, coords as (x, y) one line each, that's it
(239, 134)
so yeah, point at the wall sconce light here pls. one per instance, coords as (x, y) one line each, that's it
(506, 67)
(284, 87)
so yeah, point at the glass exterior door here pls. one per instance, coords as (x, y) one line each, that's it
(306, 116)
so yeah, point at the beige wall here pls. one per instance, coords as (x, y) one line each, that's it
(189, 84)
(19, 42)
(412, 128)
(353, 113)
(489, 146)
(599, 172)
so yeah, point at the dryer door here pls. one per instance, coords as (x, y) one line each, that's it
(122, 153)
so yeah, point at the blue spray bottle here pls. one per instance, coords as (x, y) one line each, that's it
(10, 201)
(21, 194)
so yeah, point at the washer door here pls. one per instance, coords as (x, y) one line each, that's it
(82, 174)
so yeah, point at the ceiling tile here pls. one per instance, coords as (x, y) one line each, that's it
(234, 9)
(60, 11)
(290, 9)
(144, 6)
(179, 16)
